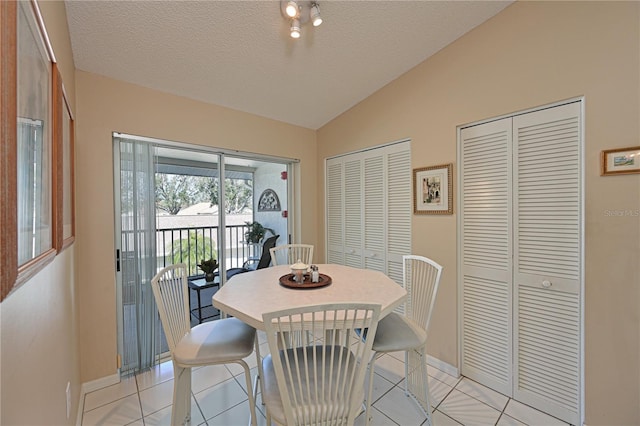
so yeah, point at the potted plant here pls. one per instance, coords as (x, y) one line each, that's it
(208, 267)
(256, 232)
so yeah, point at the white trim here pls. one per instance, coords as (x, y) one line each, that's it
(91, 386)
(443, 366)
(521, 112)
(370, 148)
(190, 146)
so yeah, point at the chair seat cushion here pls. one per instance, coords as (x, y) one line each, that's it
(331, 400)
(215, 342)
(398, 333)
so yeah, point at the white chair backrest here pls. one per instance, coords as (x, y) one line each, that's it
(288, 254)
(321, 382)
(421, 278)
(171, 292)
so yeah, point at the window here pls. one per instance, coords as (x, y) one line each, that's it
(29, 120)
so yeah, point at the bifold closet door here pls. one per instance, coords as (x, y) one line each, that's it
(520, 247)
(485, 243)
(547, 259)
(369, 197)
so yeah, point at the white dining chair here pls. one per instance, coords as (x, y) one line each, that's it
(288, 254)
(408, 332)
(216, 342)
(320, 382)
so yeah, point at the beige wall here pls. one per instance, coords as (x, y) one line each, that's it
(533, 53)
(105, 106)
(39, 319)
(530, 54)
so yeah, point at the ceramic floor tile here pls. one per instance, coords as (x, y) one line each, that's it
(390, 368)
(221, 397)
(442, 376)
(483, 393)
(251, 361)
(377, 419)
(440, 419)
(156, 397)
(400, 408)
(120, 412)
(380, 386)
(529, 415)
(237, 415)
(95, 399)
(156, 375)
(139, 422)
(438, 391)
(467, 410)
(508, 421)
(163, 417)
(208, 376)
(243, 382)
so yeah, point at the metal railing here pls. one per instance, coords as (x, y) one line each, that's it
(192, 244)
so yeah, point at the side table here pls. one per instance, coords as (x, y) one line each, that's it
(199, 284)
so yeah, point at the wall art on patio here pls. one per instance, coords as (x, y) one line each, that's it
(433, 190)
(620, 161)
(269, 201)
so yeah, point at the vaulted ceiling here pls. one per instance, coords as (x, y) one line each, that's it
(238, 54)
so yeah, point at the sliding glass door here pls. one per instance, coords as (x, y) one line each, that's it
(177, 203)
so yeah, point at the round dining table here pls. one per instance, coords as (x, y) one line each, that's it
(248, 295)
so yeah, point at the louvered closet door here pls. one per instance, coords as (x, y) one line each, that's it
(335, 215)
(369, 196)
(485, 245)
(374, 213)
(399, 210)
(547, 269)
(353, 212)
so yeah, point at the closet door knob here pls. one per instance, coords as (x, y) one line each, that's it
(546, 283)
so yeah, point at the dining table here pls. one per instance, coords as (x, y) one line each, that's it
(249, 295)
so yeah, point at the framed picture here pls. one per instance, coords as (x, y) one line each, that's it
(433, 190)
(620, 161)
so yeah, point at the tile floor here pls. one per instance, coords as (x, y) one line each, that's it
(219, 398)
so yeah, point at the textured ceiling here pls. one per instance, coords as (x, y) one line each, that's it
(238, 54)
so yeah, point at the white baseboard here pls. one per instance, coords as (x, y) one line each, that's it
(443, 366)
(93, 386)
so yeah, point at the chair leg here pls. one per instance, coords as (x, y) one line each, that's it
(252, 401)
(260, 371)
(367, 411)
(417, 380)
(406, 373)
(181, 410)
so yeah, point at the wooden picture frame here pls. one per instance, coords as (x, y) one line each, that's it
(433, 190)
(621, 161)
(68, 174)
(8, 153)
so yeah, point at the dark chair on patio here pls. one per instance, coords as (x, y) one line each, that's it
(252, 264)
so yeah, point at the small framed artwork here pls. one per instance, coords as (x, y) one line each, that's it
(620, 161)
(433, 190)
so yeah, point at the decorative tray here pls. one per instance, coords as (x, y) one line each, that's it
(288, 281)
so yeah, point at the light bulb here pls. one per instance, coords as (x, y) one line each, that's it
(295, 28)
(292, 9)
(316, 19)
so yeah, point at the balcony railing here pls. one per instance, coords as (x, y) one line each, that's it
(190, 245)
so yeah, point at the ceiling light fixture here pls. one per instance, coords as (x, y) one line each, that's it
(295, 28)
(299, 13)
(316, 19)
(292, 9)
